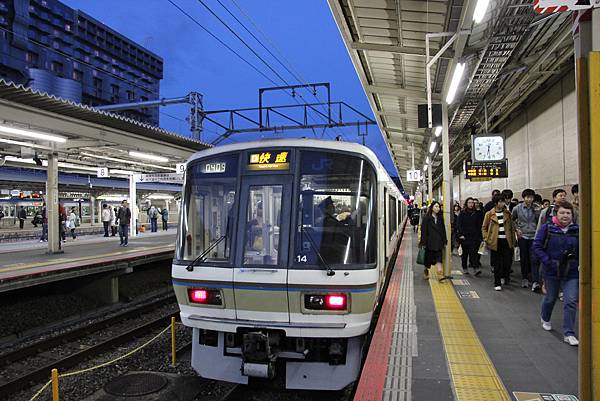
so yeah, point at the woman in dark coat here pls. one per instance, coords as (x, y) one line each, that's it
(468, 231)
(433, 239)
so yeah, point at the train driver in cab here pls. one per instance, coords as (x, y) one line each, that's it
(333, 241)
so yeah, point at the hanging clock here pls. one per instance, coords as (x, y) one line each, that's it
(487, 147)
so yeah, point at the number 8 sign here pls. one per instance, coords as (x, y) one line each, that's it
(102, 172)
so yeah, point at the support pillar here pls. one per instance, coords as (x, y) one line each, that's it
(105, 290)
(446, 188)
(133, 205)
(587, 56)
(430, 183)
(92, 210)
(52, 204)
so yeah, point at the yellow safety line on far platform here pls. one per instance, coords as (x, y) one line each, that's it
(473, 375)
(22, 266)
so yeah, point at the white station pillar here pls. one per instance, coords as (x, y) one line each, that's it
(52, 204)
(132, 205)
(92, 210)
(446, 188)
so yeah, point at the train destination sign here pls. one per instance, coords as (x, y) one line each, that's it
(488, 169)
(269, 160)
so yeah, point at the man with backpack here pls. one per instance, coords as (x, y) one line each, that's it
(526, 217)
(165, 218)
(153, 215)
(558, 196)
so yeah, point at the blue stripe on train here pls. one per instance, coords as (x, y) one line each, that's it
(243, 287)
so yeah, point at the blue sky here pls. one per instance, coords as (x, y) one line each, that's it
(304, 31)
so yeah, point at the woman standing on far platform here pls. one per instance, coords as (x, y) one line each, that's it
(433, 239)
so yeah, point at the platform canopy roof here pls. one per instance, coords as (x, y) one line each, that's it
(508, 56)
(32, 124)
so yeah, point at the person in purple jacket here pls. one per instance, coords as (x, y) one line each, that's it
(556, 246)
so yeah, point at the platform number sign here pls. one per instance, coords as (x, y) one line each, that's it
(180, 168)
(102, 172)
(413, 175)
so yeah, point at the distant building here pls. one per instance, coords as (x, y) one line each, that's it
(51, 47)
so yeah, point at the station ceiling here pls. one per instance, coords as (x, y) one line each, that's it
(33, 124)
(508, 56)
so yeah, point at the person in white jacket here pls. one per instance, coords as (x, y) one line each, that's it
(106, 218)
(73, 222)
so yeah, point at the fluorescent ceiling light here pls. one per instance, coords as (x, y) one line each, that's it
(32, 134)
(116, 159)
(427, 160)
(480, 10)
(438, 131)
(18, 160)
(458, 72)
(26, 144)
(425, 167)
(147, 156)
(432, 147)
(161, 196)
(76, 166)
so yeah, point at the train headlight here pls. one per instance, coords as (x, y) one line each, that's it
(204, 296)
(336, 302)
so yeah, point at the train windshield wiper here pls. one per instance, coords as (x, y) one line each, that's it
(330, 271)
(204, 255)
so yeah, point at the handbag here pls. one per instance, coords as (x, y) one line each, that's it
(482, 248)
(517, 256)
(460, 250)
(421, 257)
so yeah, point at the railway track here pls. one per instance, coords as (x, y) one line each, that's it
(62, 362)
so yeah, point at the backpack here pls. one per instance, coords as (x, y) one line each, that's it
(77, 221)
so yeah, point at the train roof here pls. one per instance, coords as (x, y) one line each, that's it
(382, 174)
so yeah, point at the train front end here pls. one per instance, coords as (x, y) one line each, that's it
(276, 266)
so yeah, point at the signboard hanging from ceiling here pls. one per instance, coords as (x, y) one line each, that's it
(413, 175)
(559, 6)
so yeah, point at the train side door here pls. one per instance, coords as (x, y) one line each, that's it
(260, 273)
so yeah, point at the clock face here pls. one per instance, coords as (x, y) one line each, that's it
(488, 148)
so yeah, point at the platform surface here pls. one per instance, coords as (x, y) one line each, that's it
(462, 340)
(27, 260)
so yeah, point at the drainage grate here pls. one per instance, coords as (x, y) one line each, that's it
(136, 384)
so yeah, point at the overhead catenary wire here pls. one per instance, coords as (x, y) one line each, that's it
(291, 70)
(266, 63)
(195, 21)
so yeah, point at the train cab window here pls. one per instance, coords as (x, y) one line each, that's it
(208, 211)
(261, 245)
(336, 211)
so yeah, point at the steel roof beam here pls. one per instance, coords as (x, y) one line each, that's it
(411, 93)
(404, 50)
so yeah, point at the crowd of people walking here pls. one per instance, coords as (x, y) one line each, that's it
(541, 235)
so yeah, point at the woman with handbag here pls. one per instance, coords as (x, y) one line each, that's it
(433, 239)
(499, 235)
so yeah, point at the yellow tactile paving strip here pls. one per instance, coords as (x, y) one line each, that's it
(473, 375)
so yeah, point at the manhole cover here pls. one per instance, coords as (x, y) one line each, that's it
(136, 384)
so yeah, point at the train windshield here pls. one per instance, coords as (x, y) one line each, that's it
(336, 212)
(207, 218)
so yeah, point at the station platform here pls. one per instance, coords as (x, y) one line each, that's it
(26, 263)
(461, 340)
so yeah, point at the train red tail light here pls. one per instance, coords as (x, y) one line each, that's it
(204, 296)
(335, 302)
(325, 302)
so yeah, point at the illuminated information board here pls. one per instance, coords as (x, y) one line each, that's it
(488, 169)
(269, 160)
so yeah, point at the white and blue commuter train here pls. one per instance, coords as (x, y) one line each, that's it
(282, 253)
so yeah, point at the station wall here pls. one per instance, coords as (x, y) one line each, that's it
(541, 147)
